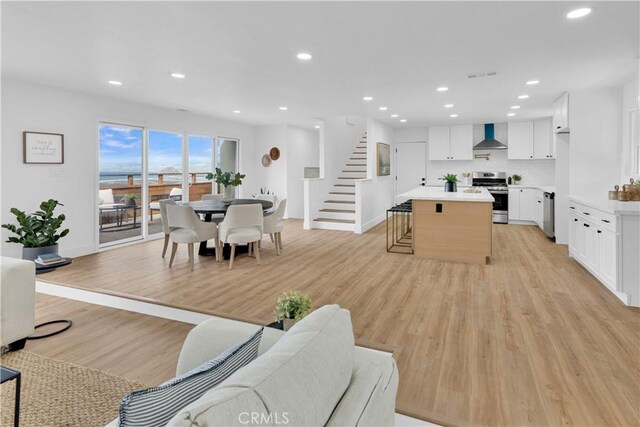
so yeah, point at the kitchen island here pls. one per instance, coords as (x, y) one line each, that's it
(451, 226)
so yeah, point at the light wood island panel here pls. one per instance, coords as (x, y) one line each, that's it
(461, 232)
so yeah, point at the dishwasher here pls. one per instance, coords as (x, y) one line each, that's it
(548, 222)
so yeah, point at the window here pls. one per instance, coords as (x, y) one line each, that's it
(200, 163)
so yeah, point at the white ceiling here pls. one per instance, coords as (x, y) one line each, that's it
(242, 55)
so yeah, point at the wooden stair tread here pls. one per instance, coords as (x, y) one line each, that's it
(348, 171)
(345, 211)
(344, 185)
(357, 158)
(341, 221)
(345, 202)
(342, 192)
(351, 177)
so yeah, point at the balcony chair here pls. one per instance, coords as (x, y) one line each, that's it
(242, 226)
(106, 204)
(273, 225)
(175, 194)
(189, 229)
(162, 205)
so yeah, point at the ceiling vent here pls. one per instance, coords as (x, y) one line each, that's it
(482, 74)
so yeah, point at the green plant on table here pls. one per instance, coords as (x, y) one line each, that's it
(38, 229)
(516, 177)
(293, 305)
(129, 199)
(450, 178)
(233, 179)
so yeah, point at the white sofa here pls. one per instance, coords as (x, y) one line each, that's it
(311, 375)
(17, 301)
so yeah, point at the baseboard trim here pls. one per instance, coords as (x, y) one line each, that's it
(369, 225)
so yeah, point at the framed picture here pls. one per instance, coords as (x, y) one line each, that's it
(41, 147)
(383, 156)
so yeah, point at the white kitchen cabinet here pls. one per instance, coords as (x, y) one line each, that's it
(451, 142)
(607, 257)
(520, 140)
(543, 140)
(521, 204)
(561, 113)
(538, 208)
(591, 250)
(461, 144)
(439, 140)
(574, 223)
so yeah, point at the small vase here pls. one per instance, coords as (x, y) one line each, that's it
(450, 187)
(33, 253)
(516, 182)
(287, 323)
(228, 193)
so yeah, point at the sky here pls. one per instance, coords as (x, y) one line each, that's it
(121, 150)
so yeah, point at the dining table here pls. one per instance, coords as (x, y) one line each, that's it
(208, 208)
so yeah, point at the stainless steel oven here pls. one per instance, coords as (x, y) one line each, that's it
(496, 184)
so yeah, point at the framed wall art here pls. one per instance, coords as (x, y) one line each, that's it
(43, 148)
(383, 159)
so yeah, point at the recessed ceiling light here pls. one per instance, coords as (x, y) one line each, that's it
(237, 111)
(115, 83)
(579, 13)
(523, 96)
(304, 56)
(453, 115)
(178, 75)
(511, 114)
(515, 107)
(403, 120)
(367, 98)
(283, 108)
(394, 116)
(317, 126)
(382, 108)
(442, 89)
(533, 82)
(448, 105)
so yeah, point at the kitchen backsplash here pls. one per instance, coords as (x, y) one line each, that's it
(533, 172)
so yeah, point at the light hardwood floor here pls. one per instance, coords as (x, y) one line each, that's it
(529, 339)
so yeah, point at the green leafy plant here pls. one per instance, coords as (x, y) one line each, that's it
(450, 178)
(516, 177)
(226, 178)
(39, 228)
(293, 305)
(129, 199)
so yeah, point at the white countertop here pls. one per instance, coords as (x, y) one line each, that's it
(438, 193)
(611, 206)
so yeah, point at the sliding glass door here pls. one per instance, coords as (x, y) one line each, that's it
(201, 160)
(120, 183)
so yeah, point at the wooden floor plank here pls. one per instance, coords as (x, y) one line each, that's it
(529, 339)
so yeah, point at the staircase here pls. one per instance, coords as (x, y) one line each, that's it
(339, 208)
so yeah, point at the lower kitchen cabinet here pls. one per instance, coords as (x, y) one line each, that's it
(598, 242)
(522, 205)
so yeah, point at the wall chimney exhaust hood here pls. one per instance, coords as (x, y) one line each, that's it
(489, 142)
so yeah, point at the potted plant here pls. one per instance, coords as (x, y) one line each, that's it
(291, 308)
(450, 182)
(228, 180)
(516, 178)
(129, 199)
(37, 232)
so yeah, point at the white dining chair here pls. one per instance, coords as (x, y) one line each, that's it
(162, 206)
(269, 198)
(273, 225)
(242, 225)
(190, 230)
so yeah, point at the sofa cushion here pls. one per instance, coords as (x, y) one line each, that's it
(155, 406)
(302, 377)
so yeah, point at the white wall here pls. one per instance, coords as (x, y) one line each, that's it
(630, 99)
(563, 172)
(595, 121)
(337, 143)
(411, 134)
(33, 107)
(375, 195)
(303, 151)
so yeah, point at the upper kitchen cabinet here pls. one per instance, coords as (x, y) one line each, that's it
(544, 146)
(520, 139)
(461, 145)
(561, 113)
(451, 142)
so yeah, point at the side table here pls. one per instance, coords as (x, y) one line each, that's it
(7, 374)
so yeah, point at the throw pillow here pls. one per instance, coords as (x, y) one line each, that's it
(155, 406)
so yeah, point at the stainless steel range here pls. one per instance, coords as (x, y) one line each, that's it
(496, 184)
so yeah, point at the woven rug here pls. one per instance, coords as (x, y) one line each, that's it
(56, 393)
